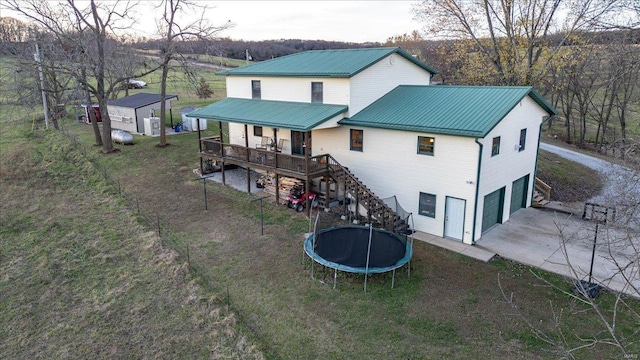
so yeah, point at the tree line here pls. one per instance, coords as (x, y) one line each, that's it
(257, 50)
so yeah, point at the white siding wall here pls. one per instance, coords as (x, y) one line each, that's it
(358, 92)
(382, 77)
(390, 165)
(236, 136)
(501, 170)
(123, 118)
(145, 112)
(335, 91)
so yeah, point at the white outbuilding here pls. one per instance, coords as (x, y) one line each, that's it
(128, 113)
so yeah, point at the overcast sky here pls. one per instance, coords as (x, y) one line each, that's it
(349, 21)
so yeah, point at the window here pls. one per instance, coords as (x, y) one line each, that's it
(523, 139)
(356, 139)
(257, 131)
(256, 93)
(427, 205)
(426, 145)
(316, 92)
(495, 146)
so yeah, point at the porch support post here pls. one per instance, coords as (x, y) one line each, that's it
(369, 208)
(200, 147)
(277, 188)
(246, 145)
(222, 151)
(346, 191)
(222, 169)
(357, 211)
(327, 189)
(276, 154)
(307, 150)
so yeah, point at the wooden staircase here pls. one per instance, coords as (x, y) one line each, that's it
(541, 194)
(377, 212)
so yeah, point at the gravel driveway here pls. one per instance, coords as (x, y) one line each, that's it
(621, 188)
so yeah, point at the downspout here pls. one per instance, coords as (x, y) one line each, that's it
(535, 167)
(475, 205)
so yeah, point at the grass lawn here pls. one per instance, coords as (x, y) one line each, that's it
(81, 277)
(569, 181)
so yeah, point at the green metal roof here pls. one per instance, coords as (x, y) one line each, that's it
(440, 109)
(323, 63)
(276, 114)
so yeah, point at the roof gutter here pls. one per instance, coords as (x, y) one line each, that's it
(475, 205)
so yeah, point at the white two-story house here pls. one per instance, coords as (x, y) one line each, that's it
(461, 159)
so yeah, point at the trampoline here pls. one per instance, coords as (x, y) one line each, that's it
(358, 249)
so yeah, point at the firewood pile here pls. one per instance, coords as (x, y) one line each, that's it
(284, 183)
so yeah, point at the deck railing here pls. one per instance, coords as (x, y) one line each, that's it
(263, 158)
(318, 165)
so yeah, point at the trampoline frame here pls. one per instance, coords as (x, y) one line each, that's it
(406, 259)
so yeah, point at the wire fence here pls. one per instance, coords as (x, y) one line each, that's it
(151, 220)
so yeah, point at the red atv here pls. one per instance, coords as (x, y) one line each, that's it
(297, 199)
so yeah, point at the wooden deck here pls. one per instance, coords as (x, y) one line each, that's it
(307, 168)
(282, 164)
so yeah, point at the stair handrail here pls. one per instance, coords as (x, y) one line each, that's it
(331, 161)
(543, 188)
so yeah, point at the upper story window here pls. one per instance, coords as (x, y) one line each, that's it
(426, 145)
(257, 131)
(316, 92)
(523, 139)
(255, 89)
(356, 139)
(495, 146)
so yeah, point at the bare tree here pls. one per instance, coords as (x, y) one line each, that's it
(99, 22)
(615, 242)
(513, 36)
(14, 34)
(172, 32)
(88, 33)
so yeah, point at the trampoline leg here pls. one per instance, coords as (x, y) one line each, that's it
(409, 269)
(393, 278)
(312, 271)
(335, 277)
(365, 282)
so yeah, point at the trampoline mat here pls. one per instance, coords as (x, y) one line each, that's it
(349, 246)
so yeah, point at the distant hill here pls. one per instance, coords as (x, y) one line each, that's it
(268, 49)
(258, 50)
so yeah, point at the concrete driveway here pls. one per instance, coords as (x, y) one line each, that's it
(533, 237)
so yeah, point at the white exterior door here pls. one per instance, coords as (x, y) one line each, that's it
(454, 218)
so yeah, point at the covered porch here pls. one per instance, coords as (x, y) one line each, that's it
(283, 145)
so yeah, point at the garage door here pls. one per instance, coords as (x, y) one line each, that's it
(519, 194)
(492, 211)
